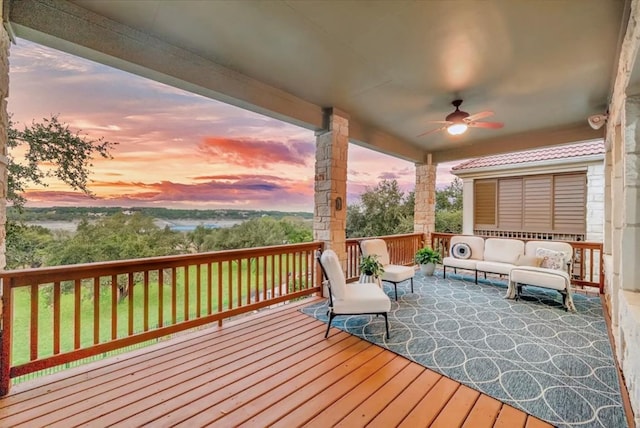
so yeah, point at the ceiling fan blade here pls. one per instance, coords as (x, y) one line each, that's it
(432, 131)
(447, 122)
(479, 116)
(490, 125)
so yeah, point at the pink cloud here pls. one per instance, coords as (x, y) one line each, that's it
(257, 153)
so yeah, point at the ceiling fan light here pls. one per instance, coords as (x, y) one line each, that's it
(457, 129)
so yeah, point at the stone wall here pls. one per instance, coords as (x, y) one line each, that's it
(595, 203)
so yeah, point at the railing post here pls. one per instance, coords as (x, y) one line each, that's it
(5, 337)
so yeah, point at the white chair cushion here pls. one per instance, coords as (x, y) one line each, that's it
(475, 243)
(547, 278)
(397, 273)
(376, 247)
(332, 268)
(460, 263)
(503, 250)
(362, 298)
(494, 267)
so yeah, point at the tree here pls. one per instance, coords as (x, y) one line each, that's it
(449, 208)
(67, 156)
(450, 198)
(383, 210)
(116, 237)
(28, 246)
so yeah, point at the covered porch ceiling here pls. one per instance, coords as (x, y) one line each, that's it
(393, 66)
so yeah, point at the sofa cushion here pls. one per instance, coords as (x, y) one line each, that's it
(461, 250)
(524, 260)
(531, 247)
(551, 259)
(542, 277)
(494, 267)
(503, 250)
(475, 243)
(460, 263)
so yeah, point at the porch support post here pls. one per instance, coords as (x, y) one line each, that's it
(424, 216)
(5, 353)
(625, 313)
(330, 208)
(630, 233)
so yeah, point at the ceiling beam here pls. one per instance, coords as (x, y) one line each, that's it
(519, 142)
(73, 29)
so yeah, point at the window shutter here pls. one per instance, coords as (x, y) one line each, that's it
(538, 203)
(569, 203)
(510, 206)
(484, 203)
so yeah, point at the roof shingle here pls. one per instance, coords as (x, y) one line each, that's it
(537, 155)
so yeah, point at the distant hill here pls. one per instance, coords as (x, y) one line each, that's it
(77, 213)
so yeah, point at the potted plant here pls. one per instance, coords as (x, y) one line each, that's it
(370, 269)
(427, 258)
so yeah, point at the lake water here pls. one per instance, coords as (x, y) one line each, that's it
(177, 225)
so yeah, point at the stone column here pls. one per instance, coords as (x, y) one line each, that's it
(4, 124)
(613, 274)
(627, 328)
(424, 216)
(5, 357)
(330, 210)
(630, 199)
(608, 213)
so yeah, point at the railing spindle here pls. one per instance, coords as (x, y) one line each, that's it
(56, 317)
(114, 307)
(76, 314)
(220, 300)
(230, 284)
(186, 293)
(96, 310)
(174, 297)
(160, 297)
(209, 288)
(130, 301)
(33, 326)
(198, 290)
(146, 300)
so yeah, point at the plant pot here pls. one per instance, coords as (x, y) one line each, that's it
(428, 269)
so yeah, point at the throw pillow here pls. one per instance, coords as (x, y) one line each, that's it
(551, 259)
(461, 250)
(528, 261)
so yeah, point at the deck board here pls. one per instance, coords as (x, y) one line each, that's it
(272, 368)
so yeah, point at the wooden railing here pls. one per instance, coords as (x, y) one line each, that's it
(72, 312)
(402, 250)
(588, 262)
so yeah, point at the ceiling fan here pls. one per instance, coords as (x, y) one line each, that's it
(456, 123)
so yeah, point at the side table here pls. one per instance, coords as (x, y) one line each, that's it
(365, 279)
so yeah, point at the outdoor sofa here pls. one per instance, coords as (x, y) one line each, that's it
(545, 264)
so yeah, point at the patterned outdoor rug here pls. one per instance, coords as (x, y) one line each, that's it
(531, 354)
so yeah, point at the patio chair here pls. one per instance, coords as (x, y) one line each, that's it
(392, 273)
(351, 299)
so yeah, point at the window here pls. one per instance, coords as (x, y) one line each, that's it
(537, 203)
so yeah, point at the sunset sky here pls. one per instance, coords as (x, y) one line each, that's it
(177, 149)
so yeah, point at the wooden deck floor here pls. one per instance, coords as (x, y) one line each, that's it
(273, 368)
